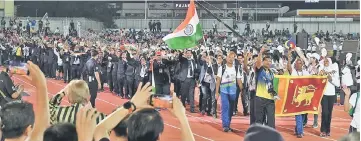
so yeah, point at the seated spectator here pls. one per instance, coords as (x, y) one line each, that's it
(145, 124)
(18, 120)
(78, 95)
(8, 91)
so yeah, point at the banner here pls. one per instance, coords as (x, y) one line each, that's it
(298, 94)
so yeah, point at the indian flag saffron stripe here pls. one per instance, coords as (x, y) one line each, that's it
(188, 33)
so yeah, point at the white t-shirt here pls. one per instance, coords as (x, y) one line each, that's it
(229, 79)
(300, 73)
(229, 74)
(251, 79)
(356, 116)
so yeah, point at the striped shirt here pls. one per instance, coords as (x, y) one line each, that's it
(61, 114)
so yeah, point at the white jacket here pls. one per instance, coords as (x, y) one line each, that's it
(346, 78)
(330, 89)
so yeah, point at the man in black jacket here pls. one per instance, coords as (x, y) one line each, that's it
(187, 75)
(8, 90)
(66, 66)
(161, 74)
(120, 74)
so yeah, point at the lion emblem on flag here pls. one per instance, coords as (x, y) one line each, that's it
(305, 93)
(189, 29)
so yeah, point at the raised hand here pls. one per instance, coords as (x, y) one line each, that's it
(86, 123)
(142, 95)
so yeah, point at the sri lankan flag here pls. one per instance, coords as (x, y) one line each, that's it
(188, 33)
(298, 94)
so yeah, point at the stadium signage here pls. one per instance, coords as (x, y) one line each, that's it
(312, 1)
(183, 5)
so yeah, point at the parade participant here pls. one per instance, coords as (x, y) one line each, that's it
(352, 107)
(329, 95)
(120, 79)
(66, 65)
(251, 82)
(143, 75)
(130, 75)
(91, 73)
(297, 69)
(228, 76)
(265, 95)
(110, 69)
(244, 96)
(161, 74)
(346, 76)
(75, 63)
(188, 75)
(313, 69)
(207, 82)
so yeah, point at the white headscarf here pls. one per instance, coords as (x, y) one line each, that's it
(329, 68)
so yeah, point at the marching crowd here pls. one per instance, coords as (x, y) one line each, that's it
(129, 62)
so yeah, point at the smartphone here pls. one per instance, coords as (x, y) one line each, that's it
(161, 101)
(16, 67)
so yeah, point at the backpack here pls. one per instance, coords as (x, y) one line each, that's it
(224, 69)
(352, 109)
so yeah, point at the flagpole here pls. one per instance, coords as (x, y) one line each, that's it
(219, 20)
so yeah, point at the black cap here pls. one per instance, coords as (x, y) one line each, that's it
(259, 132)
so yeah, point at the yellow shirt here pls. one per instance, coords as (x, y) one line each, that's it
(18, 51)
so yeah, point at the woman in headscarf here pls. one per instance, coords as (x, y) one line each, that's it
(331, 71)
(346, 76)
(313, 69)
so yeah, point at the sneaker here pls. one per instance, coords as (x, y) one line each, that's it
(276, 97)
(225, 129)
(300, 136)
(323, 134)
(315, 125)
(328, 134)
(215, 116)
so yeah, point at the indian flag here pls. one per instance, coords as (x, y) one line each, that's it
(188, 33)
(153, 82)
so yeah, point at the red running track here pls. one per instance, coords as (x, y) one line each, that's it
(205, 128)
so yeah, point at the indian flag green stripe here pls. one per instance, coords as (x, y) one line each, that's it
(182, 42)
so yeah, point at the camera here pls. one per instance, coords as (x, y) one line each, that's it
(271, 89)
